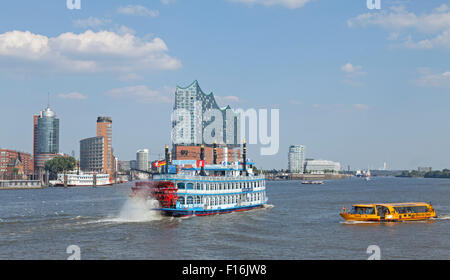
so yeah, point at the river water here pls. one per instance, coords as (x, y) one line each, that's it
(299, 222)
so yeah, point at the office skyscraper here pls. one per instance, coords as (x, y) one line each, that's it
(45, 137)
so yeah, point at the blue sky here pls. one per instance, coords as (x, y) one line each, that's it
(354, 85)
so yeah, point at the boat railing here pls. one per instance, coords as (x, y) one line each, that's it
(206, 178)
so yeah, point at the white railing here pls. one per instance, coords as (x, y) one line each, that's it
(206, 178)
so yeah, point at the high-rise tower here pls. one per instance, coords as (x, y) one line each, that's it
(45, 137)
(104, 128)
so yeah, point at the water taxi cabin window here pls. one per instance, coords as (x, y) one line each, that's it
(411, 209)
(363, 210)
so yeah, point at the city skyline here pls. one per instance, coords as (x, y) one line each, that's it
(379, 96)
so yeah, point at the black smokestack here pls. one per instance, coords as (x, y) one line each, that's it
(215, 153)
(202, 158)
(167, 159)
(244, 157)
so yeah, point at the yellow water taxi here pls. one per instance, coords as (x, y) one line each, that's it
(389, 212)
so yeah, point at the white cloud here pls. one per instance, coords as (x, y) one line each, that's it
(434, 26)
(167, 2)
(103, 51)
(137, 10)
(353, 74)
(225, 100)
(429, 79)
(142, 94)
(349, 68)
(362, 107)
(91, 22)
(291, 4)
(72, 96)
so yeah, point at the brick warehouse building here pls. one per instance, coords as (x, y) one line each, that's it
(193, 153)
(10, 159)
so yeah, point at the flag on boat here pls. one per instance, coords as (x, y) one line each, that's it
(159, 163)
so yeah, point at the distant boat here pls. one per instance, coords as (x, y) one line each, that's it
(312, 182)
(82, 180)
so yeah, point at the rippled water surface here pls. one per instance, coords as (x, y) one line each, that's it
(299, 222)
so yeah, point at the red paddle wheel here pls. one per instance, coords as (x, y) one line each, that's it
(164, 192)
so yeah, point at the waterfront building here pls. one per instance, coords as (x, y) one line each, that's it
(320, 166)
(142, 159)
(424, 169)
(296, 159)
(133, 164)
(104, 129)
(92, 154)
(15, 164)
(124, 165)
(45, 138)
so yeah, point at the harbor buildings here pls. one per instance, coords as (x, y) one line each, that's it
(96, 153)
(92, 154)
(296, 159)
(15, 165)
(320, 166)
(142, 159)
(45, 138)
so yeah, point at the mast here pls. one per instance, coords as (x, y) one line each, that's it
(244, 157)
(202, 158)
(167, 159)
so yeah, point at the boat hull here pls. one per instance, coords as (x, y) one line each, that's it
(187, 212)
(394, 218)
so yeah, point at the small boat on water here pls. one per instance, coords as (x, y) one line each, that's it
(390, 212)
(312, 182)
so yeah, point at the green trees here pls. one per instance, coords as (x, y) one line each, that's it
(60, 164)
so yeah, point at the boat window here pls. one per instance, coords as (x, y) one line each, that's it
(362, 210)
(411, 209)
(190, 200)
(189, 186)
(180, 186)
(181, 199)
(197, 186)
(198, 200)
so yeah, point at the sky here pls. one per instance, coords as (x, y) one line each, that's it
(355, 85)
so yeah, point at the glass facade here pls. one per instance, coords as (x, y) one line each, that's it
(48, 135)
(91, 154)
(191, 104)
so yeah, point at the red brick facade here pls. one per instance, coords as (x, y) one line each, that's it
(26, 162)
(193, 153)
